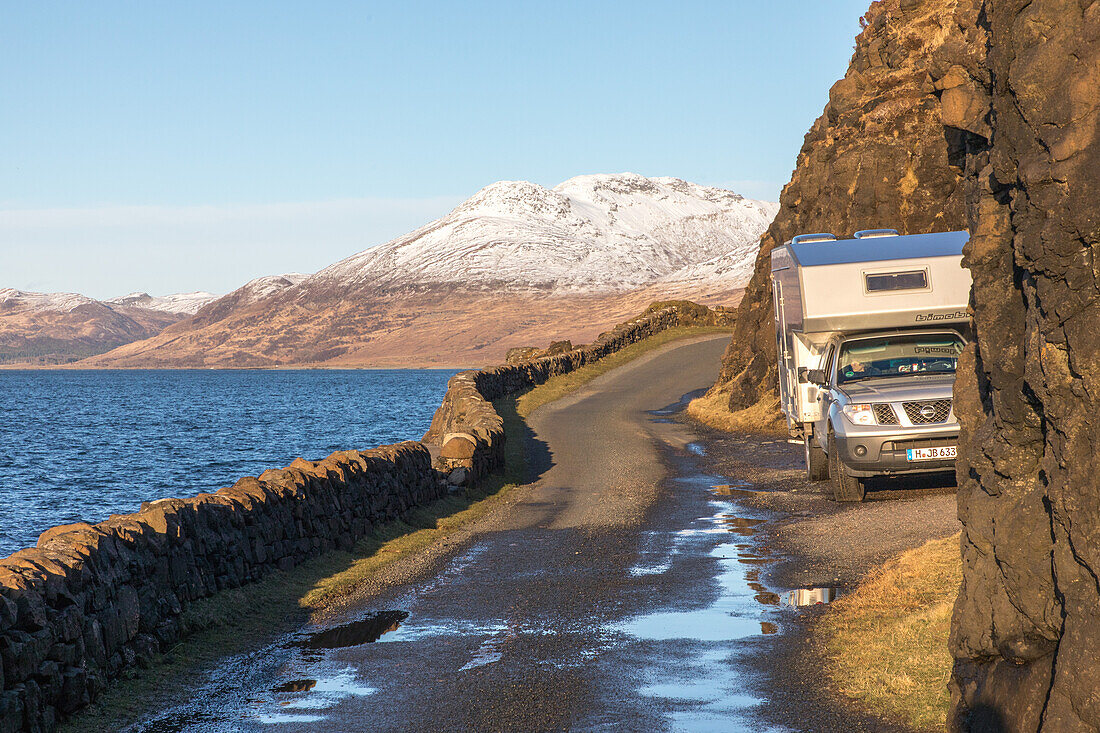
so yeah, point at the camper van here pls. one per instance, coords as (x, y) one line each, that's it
(868, 334)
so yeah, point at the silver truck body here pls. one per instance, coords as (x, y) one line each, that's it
(828, 293)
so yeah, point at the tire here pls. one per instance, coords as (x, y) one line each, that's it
(845, 486)
(817, 463)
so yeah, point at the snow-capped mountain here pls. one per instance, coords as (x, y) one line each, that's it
(597, 233)
(516, 263)
(22, 300)
(185, 303)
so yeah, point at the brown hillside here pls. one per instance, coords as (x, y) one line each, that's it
(365, 329)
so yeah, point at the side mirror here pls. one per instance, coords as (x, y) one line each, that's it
(817, 376)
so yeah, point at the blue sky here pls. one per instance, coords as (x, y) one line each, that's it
(192, 146)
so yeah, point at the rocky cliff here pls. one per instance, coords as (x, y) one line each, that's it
(1027, 622)
(888, 151)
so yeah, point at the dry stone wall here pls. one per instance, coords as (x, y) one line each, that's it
(90, 601)
(468, 430)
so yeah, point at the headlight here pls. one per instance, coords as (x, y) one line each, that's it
(859, 414)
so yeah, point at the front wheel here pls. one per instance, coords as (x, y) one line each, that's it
(845, 486)
(817, 463)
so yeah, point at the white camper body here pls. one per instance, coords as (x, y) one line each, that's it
(877, 282)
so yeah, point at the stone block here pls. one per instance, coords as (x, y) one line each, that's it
(458, 446)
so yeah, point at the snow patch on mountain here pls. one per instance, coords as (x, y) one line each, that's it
(263, 287)
(22, 300)
(593, 233)
(183, 303)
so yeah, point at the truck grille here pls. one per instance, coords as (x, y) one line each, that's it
(884, 414)
(926, 413)
(921, 443)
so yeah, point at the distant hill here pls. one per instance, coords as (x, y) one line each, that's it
(515, 264)
(57, 328)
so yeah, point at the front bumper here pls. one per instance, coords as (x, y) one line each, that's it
(885, 453)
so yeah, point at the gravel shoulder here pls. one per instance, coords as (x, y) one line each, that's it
(820, 541)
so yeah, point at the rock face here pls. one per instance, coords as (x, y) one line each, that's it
(516, 263)
(879, 156)
(1026, 627)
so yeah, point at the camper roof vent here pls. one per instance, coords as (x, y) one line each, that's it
(873, 233)
(809, 238)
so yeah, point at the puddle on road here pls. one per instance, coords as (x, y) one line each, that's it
(811, 596)
(356, 633)
(740, 525)
(737, 491)
(704, 689)
(298, 701)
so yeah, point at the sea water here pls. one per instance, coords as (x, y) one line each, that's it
(82, 445)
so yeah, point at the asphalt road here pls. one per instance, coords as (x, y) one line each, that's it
(626, 588)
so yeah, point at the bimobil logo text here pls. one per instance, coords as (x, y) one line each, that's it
(956, 316)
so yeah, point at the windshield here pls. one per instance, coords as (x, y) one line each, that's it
(898, 356)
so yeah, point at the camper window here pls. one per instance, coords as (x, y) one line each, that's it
(883, 282)
(898, 356)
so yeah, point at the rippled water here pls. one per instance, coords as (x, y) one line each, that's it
(81, 445)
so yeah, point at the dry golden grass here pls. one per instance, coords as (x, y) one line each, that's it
(560, 386)
(712, 409)
(885, 645)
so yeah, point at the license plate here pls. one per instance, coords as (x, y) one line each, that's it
(932, 454)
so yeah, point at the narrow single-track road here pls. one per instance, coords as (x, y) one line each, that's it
(624, 589)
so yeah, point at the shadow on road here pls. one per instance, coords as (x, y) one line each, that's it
(526, 458)
(882, 488)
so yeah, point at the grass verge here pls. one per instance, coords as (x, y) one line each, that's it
(712, 409)
(564, 384)
(885, 645)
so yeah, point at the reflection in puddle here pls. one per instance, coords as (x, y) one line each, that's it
(727, 490)
(740, 525)
(424, 629)
(364, 631)
(704, 690)
(811, 596)
(311, 697)
(696, 448)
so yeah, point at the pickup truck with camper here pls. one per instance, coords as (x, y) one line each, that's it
(868, 334)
